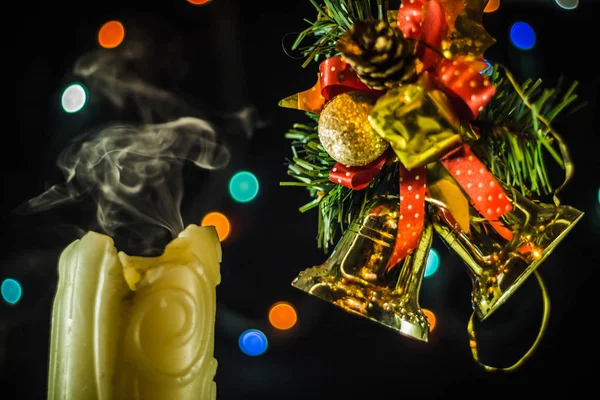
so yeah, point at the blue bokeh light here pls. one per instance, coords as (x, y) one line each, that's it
(487, 70)
(522, 36)
(11, 291)
(433, 262)
(253, 342)
(243, 186)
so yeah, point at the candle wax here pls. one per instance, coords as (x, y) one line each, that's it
(136, 328)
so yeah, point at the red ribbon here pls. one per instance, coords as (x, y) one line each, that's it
(459, 78)
(469, 92)
(411, 219)
(335, 77)
(338, 77)
(356, 178)
(485, 194)
(484, 191)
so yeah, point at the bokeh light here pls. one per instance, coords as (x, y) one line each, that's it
(243, 186)
(433, 262)
(430, 318)
(219, 221)
(522, 36)
(253, 342)
(283, 316)
(567, 4)
(73, 98)
(111, 34)
(492, 6)
(198, 2)
(488, 69)
(11, 291)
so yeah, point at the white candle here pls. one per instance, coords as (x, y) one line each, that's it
(136, 328)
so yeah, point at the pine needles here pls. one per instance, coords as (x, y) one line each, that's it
(310, 167)
(516, 136)
(334, 17)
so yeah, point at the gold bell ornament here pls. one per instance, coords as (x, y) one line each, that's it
(359, 278)
(500, 255)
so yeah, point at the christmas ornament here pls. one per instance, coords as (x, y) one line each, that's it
(464, 165)
(345, 131)
(499, 262)
(380, 55)
(357, 278)
(418, 123)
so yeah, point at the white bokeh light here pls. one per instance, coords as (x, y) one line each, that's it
(74, 98)
(567, 4)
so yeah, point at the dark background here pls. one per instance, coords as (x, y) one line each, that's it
(220, 59)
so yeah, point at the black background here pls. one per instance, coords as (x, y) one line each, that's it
(226, 56)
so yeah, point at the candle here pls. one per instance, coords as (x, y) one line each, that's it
(139, 328)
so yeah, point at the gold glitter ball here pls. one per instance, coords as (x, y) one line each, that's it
(345, 131)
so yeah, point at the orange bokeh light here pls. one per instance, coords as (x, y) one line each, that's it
(111, 34)
(198, 2)
(282, 316)
(219, 221)
(492, 6)
(430, 318)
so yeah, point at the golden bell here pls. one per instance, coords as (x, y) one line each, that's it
(498, 266)
(356, 279)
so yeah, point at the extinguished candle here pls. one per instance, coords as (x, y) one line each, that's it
(128, 327)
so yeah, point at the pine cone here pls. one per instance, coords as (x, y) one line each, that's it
(380, 54)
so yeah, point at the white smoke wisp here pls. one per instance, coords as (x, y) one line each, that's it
(135, 174)
(124, 76)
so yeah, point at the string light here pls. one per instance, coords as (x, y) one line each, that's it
(430, 318)
(243, 186)
(219, 221)
(522, 36)
(253, 342)
(111, 34)
(283, 316)
(74, 98)
(11, 291)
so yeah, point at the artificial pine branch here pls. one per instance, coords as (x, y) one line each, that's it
(334, 17)
(516, 136)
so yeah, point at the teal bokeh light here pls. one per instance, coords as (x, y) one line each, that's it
(253, 342)
(243, 186)
(11, 291)
(488, 70)
(433, 262)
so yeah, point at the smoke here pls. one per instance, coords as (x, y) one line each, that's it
(134, 171)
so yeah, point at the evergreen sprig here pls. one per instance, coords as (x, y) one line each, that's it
(310, 167)
(515, 140)
(337, 205)
(334, 17)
